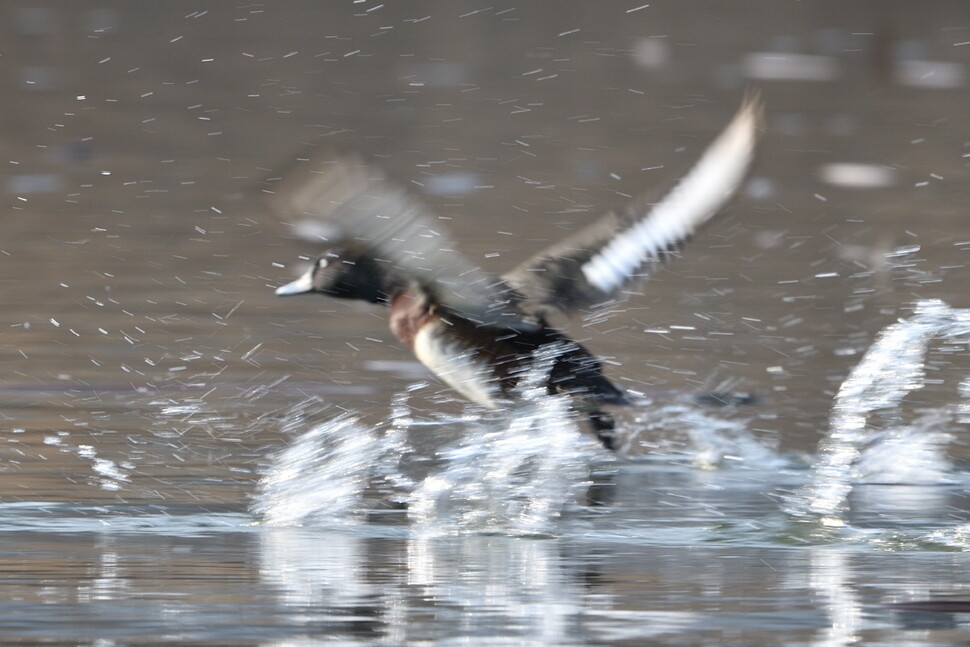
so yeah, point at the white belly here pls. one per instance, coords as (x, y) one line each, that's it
(456, 366)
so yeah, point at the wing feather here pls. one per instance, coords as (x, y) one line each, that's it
(364, 206)
(601, 261)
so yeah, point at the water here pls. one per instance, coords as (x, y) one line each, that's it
(356, 532)
(898, 451)
(188, 459)
(497, 479)
(491, 487)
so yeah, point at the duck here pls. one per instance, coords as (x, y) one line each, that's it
(480, 334)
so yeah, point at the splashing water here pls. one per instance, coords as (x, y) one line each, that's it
(514, 476)
(708, 441)
(321, 477)
(108, 475)
(893, 367)
(512, 472)
(914, 454)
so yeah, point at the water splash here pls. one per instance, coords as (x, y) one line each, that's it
(321, 477)
(914, 454)
(706, 440)
(893, 367)
(110, 475)
(107, 474)
(514, 476)
(511, 472)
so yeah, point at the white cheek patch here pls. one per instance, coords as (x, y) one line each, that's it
(455, 366)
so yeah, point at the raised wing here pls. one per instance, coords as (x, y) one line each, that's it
(597, 263)
(361, 204)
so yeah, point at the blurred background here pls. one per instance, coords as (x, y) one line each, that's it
(138, 256)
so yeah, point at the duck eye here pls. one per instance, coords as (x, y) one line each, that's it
(322, 262)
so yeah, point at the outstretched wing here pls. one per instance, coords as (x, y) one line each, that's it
(597, 263)
(364, 206)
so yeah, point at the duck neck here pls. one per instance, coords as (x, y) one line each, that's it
(410, 310)
(391, 289)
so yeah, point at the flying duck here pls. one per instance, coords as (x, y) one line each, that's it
(479, 333)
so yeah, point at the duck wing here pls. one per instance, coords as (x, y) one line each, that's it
(356, 202)
(597, 263)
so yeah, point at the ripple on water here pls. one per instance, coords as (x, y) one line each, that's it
(173, 520)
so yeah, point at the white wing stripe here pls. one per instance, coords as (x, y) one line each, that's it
(698, 196)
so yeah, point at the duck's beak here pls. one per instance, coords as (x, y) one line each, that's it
(302, 285)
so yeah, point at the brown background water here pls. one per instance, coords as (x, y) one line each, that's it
(138, 257)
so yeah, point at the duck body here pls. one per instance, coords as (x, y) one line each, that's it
(483, 363)
(478, 334)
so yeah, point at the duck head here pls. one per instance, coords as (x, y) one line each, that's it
(346, 274)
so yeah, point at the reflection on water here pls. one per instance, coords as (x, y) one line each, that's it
(604, 582)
